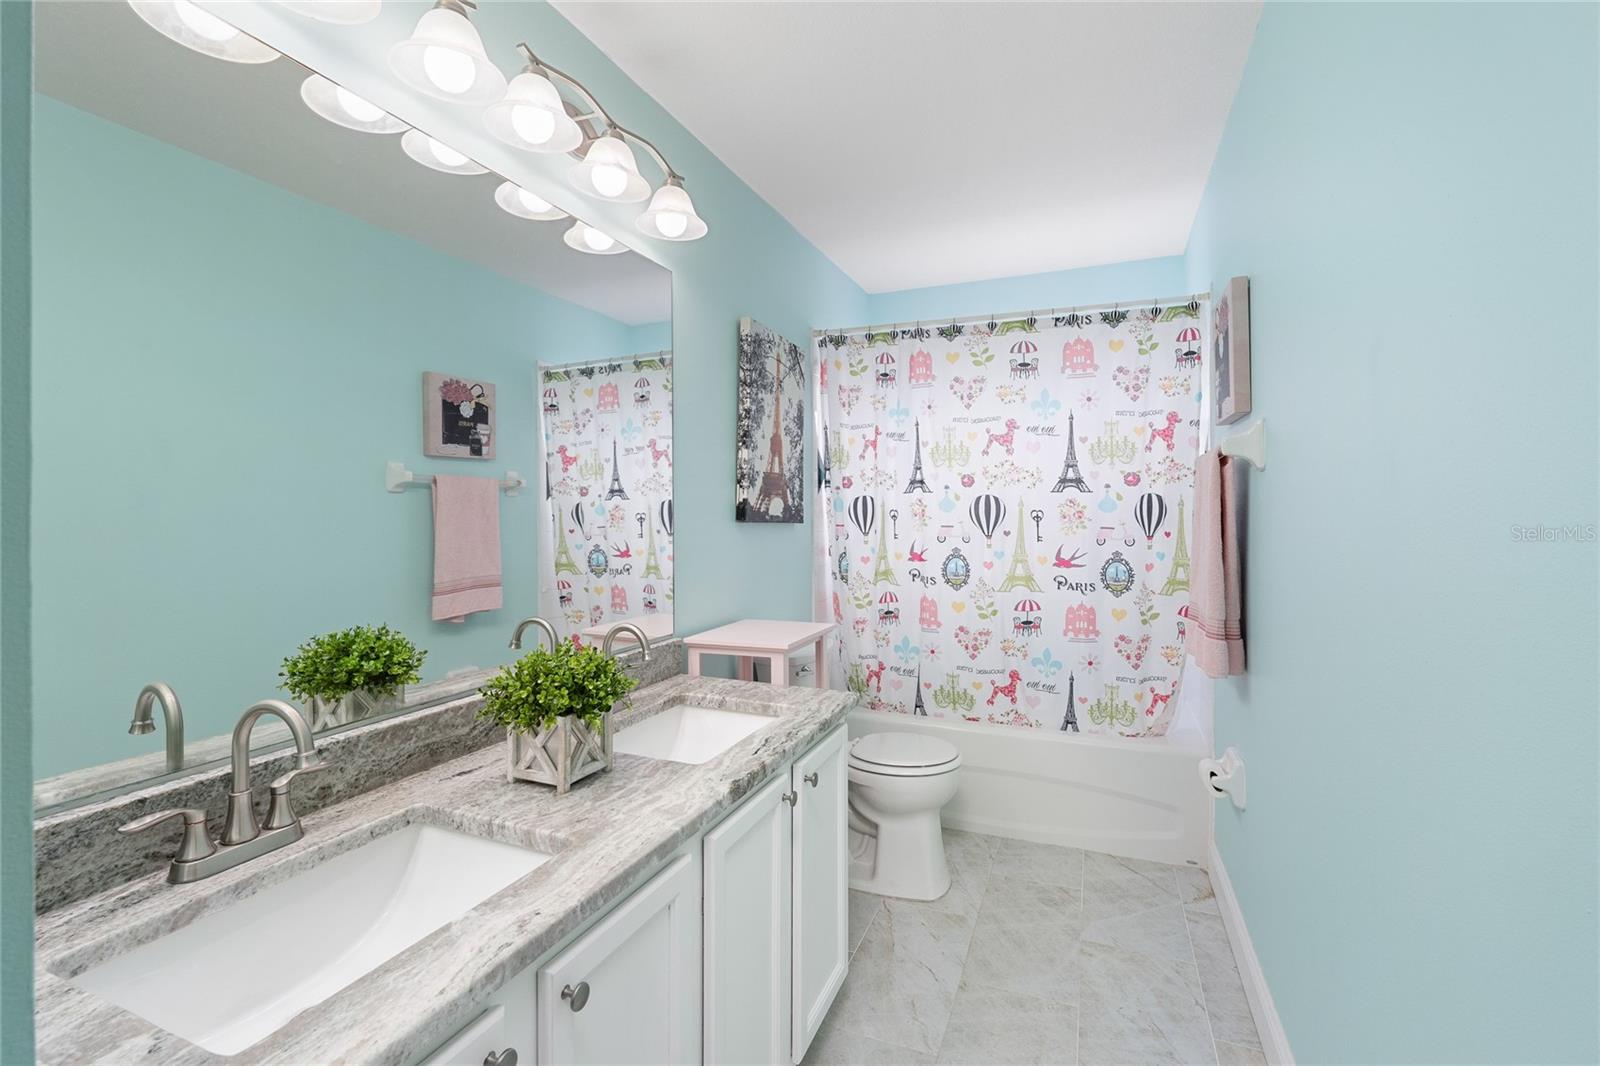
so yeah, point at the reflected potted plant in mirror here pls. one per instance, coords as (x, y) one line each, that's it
(556, 709)
(353, 674)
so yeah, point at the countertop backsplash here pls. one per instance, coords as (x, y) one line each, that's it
(78, 852)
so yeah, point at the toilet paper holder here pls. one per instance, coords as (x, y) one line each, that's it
(1225, 776)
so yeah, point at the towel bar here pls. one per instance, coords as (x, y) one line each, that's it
(396, 478)
(1249, 445)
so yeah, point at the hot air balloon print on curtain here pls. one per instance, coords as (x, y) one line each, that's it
(987, 512)
(1150, 512)
(864, 515)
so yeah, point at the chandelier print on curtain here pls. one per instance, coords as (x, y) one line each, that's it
(606, 551)
(1006, 507)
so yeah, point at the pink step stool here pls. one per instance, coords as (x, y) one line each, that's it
(759, 639)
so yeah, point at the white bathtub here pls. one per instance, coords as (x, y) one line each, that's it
(1141, 798)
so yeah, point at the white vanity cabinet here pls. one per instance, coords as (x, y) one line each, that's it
(776, 912)
(628, 990)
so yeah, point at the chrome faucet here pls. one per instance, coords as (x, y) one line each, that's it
(522, 626)
(243, 838)
(171, 713)
(633, 631)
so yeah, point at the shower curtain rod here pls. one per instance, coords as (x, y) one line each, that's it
(1012, 315)
(580, 364)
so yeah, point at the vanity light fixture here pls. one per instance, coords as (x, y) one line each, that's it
(344, 108)
(438, 155)
(444, 57)
(609, 171)
(532, 115)
(671, 215)
(585, 238)
(515, 200)
(340, 12)
(194, 27)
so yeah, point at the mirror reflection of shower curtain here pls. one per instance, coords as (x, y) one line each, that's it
(1003, 532)
(605, 530)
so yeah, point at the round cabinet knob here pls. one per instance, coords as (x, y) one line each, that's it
(791, 798)
(811, 778)
(577, 996)
(508, 1057)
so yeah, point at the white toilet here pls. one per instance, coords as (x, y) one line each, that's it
(898, 784)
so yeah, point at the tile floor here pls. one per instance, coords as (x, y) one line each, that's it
(1041, 954)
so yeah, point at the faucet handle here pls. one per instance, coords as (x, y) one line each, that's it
(280, 815)
(196, 841)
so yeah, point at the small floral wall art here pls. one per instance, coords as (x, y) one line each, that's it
(457, 417)
(1230, 348)
(769, 479)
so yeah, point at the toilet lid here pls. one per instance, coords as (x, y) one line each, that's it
(903, 750)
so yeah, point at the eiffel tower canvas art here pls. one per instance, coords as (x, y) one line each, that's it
(770, 427)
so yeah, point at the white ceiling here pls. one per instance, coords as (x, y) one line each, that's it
(924, 144)
(97, 55)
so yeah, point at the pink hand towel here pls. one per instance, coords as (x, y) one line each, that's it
(466, 546)
(1215, 638)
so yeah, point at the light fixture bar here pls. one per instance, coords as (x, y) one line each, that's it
(597, 111)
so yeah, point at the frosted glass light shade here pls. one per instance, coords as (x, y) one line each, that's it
(671, 216)
(532, 117)
(344, 108)
(339, 12)
(444, 58)
(438, 155)
(609, 172)
(586, 238)
(198, 29)
(513, 199)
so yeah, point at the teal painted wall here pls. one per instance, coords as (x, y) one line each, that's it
(1137, 279)
(16, 771)
(751, 263)
(235, 398)
(1411, 190)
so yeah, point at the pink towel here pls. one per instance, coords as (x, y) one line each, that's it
(1214, 636)
(466, 546)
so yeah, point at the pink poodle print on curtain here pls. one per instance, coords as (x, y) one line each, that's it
(1003, 537)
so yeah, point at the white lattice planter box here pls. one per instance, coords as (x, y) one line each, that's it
(567, 752)
(355, 707)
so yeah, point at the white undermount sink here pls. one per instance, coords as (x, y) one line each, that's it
(688, 734)
(232, 977)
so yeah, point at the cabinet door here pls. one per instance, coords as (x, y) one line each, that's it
(628, 990)
(821, 885)
(747, 893)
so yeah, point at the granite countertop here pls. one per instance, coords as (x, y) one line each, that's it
(605, 836)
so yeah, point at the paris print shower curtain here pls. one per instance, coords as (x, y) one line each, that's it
(1004, 529)
(605, 550)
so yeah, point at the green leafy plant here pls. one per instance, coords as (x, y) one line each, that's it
(334, 665)
(531, 693)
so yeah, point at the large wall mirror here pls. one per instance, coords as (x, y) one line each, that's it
(236, 305)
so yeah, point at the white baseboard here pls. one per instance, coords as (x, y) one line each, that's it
(1274, 1042)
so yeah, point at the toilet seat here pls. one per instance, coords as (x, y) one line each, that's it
(903, 755)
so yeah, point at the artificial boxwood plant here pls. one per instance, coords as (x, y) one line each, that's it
(332, 666)
(530, 694)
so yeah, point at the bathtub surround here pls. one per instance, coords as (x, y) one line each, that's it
(79, 852)
(1005, 539)
(603, 838)
(1403, 907)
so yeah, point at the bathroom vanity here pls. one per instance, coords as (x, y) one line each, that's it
(666, 911)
